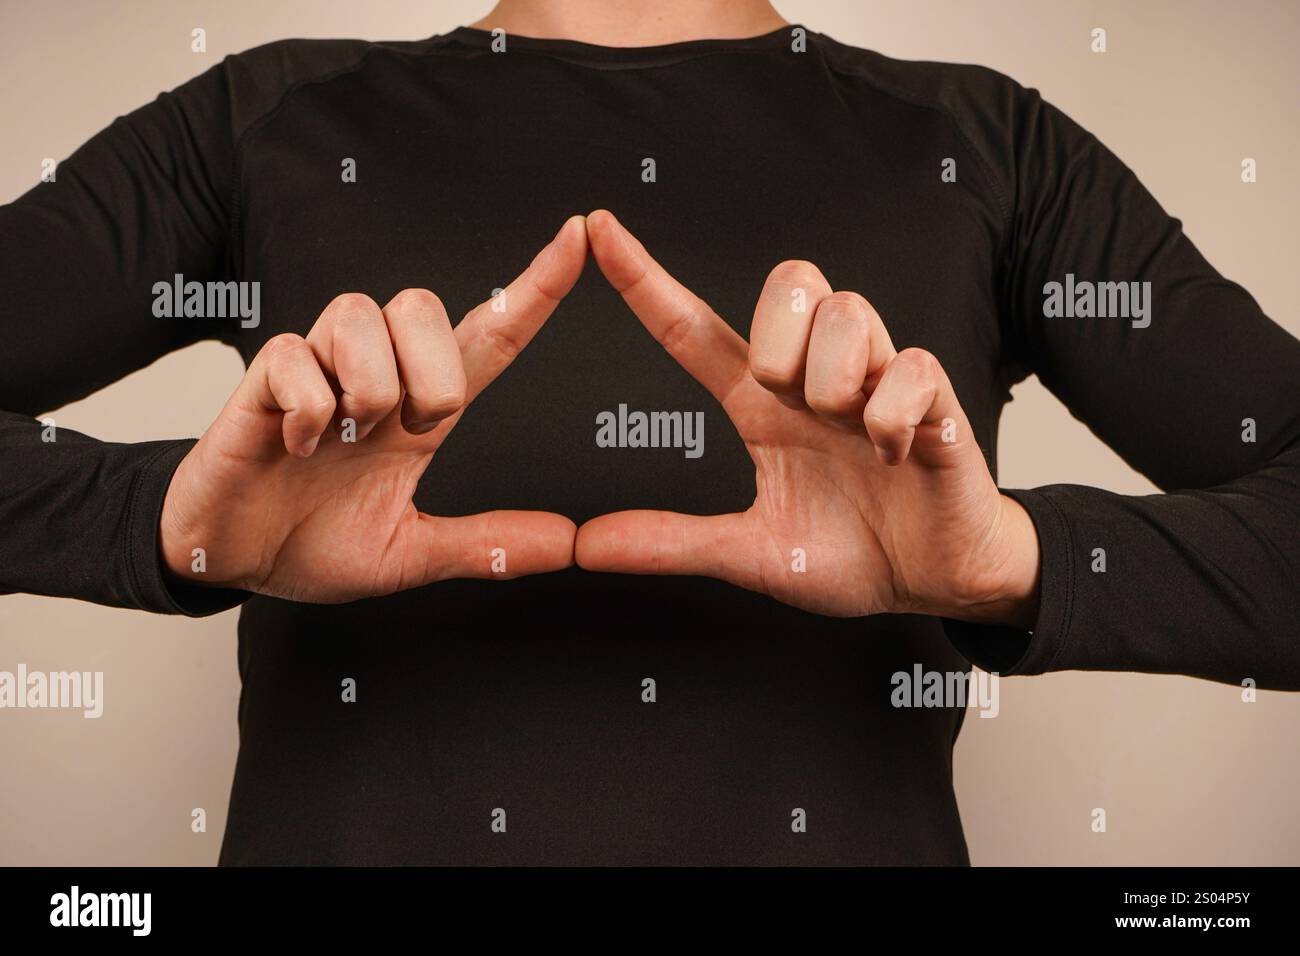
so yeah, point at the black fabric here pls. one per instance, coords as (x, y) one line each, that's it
(526, 695)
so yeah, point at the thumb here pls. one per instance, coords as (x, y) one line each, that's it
(665, 542)
(493, 544)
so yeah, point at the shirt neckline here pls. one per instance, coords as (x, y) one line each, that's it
(629, 56)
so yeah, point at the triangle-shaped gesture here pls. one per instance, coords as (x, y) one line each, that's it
(873, 495)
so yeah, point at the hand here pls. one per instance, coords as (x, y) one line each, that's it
(864, 460)
(282, 505)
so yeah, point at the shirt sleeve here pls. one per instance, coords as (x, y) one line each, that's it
(143, 200)
(1201, 394)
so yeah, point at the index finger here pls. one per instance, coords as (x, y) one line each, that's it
(497, 330)
(691, 332)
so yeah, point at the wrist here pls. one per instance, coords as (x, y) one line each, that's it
(182, 551)
(1009, 595)
(177, 558)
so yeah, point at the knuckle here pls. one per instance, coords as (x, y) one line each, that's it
(884, 427)
(552, 295)
(500, 341)
(923, 363)
(846, 306)
(321, 405)
(415, 304)
(354, 310)
(686, 321)
(286, 343)
(795, 272)
(377, 396)
(352, 303)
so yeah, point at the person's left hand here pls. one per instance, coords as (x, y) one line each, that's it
(873, 494)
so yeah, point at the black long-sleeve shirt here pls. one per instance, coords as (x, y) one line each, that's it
(527, 696)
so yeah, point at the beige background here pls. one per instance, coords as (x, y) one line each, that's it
(1187, 773)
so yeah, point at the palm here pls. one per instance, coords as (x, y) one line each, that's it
(813, 495)
(349, 522)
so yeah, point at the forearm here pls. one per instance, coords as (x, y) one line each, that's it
(80, 518)
(1202, 583)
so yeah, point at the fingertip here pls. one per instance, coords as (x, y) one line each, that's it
(605, 233)
(584, 552)
(618, 254)
(301, 432)
(894, 453)
(564, 526)
(574, 235)
(562, 260)
(574, 229)
(558, 533)
(892, 441)
(599, 220)
(607, 542)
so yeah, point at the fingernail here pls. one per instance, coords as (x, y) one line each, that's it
(420, 428)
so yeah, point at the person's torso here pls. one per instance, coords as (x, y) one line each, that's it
(528, 696)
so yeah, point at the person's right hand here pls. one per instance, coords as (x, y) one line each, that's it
(282, 505)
